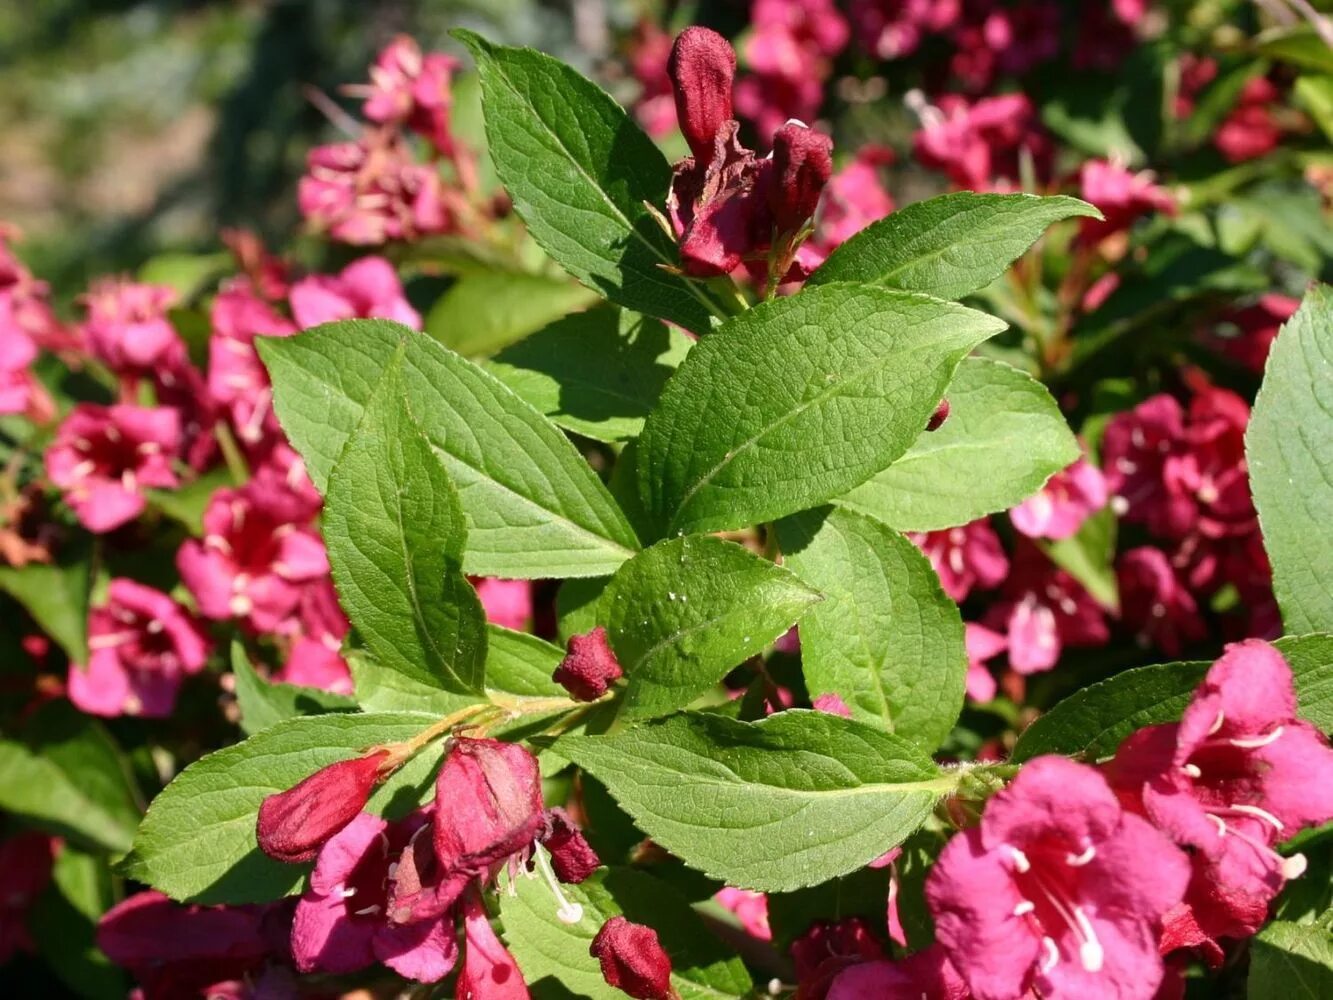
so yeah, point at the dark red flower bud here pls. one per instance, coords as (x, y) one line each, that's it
(293, 825)
(572, 857)
(940, 415)
(589, 667)
(802, 165)
(488, 805)
(702, 66)
(633, 960)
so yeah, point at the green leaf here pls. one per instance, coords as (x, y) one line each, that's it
(554, 956)
(948, 246)
(395, 533)
(681, 614)
(263, 703)
(534, 507)
(580, 172)
(885, 638)
(1291, 962)
(597, 373)
(521, 665)
(792, 801)
(1093, 722)
(485, 312)
(1004, 438)
(1315, 95)
(1089, 556)
(64, 925)
(56, 595)
(197, 842)
(1289, 446)
(797, 401)
(1301, 47)
(66, 774)
(188, 503)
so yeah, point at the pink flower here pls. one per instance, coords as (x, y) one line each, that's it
(104, 456)
(982, 644)
(964, 557)
(344, 922)
(1023, 36)
(507, 603)
(142, 645)
(980, 145)
(370, 191)
(365, 288)
(1135, 449)
(650, 48)
(1239, 773)
(257, 552)
(127, 326)
(17, 352)
(751, 909)
(1250, 131)
(1155, 604)
(826, 949)
(1058, 890)
(855, 197)
(410, 89)
(1245, 335)
(489, 971)
(25, 869)
(293, 825)
(589, 667)
(1068, 499)
(891, 29)
(832, 703)
(1122, 195)
(633, 960)
(789, 52)
(315, 659)
(928, 974)
(1044, 610)
(237, 379)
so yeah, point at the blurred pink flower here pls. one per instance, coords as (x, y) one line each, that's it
(981, 146)
(366, 288)
(964, 557)
(413, 90)
(1245, 334)
(891, 29)
(26, 860)
(1250, 131)
(1155, 604)
(237, 379)
(1060, 507)
(982, 644)
(751, 909)
(507, 603)
(127, 326)
(1122, 195)
(1043, 610)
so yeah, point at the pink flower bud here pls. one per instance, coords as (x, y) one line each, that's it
(488, 805)
(589, 667)
(572, 856)
(802, 164)
(702, 66)
(294, 824)
(633, 959)
(940, 415)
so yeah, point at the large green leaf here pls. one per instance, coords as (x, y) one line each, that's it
(886, 638)
(264, 703)
(596, 373)
(64, 773)
(1289, 446)
(681, 614)
(792, 801)
(1292, 962)
(580, 172)
(1004, 438)
(797, 401)
(197, 841)
(395, 532)
(948, 246)
(534, 507)
(487, 311)
(1093, 722)
(554, 956)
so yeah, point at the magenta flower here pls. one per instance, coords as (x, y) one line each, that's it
(489, 972)
(1239, 773)
(315, 657)
(506, 602)
(965, 557)
(1245, 335)
(293, 825)
(104, 456)
(982, 644)
(1059, 509)
(650, 48)
(407, 88)
(142, 645)
(237, 379)
(589, 667)
(1058, 889)
(257, 553)
(1155, 604)
(928, 974)
(25, 870)
(979, 146)
(1044, 610)
(572, 857)
(855, 197)
(751, 909)
(1122, 195)
(343, 921)
(633, 960)
(17, 353)
(789, 53)
(1251, 130)
(1135, 449)
(365, 288)
(127, 326)
(827, 948)
(891, 29)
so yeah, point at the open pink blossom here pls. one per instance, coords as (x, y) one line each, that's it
(365, 288)
(982, 644)
(1239, 773)
(1044, 609)
(26, 860)
(751, 909)
(980, 145)
(927, 974)
(1122, 195)
(142, 645)
(891, 29)
(1058, 889)
(789, 53)
(964, 557)
(507, 603)
(257, 553)
(1135, 449)
(1155, 604)
(237, 379)
(127, 326)
(1060, 507)
(1251, 130)
(342, 921)
(103, 457)
(315, 657)
(412, 89)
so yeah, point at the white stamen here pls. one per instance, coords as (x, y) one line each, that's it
(1079, 860)
(348, 893)
(1052, 954)
(1024, 908)
(567, 911)
(1217, 723)
(368, 911)
(1293, 867)
(1192, 770)
(1021, 862)
(1262, 814)
(1258, 741)
(1091, 954)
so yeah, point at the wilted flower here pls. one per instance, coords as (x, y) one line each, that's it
(293, 825)
(590, 667)
(633, 960)
(572, 857)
